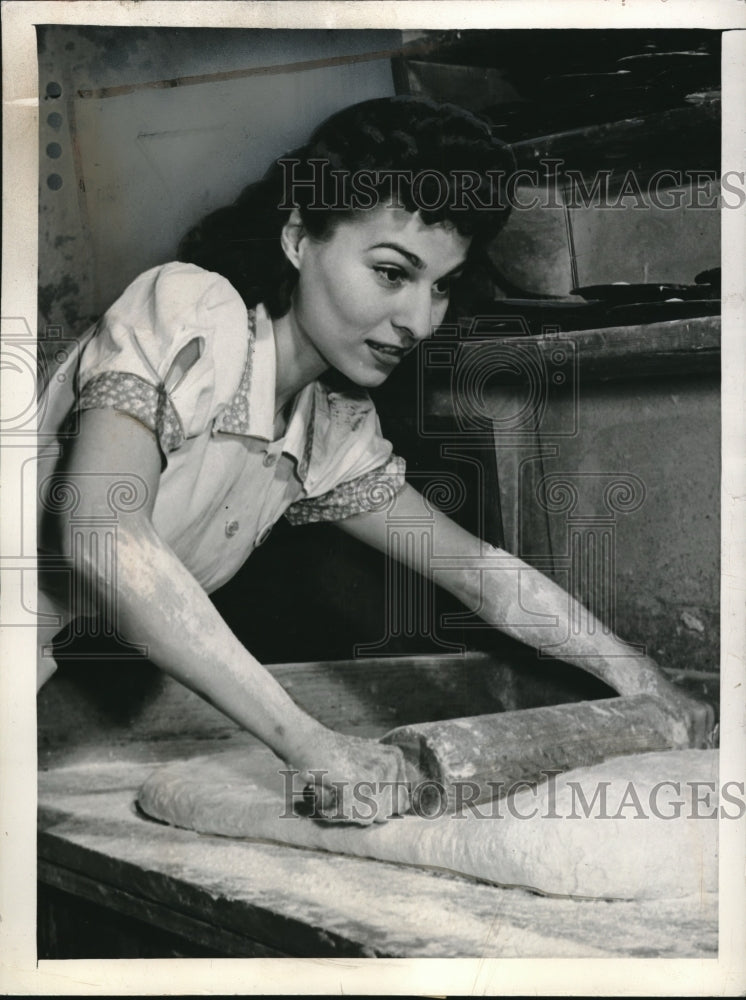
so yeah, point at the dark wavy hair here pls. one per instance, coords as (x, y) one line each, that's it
(431, 147)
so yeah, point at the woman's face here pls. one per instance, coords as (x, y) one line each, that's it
(376, 287)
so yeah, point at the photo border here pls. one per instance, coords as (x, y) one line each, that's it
(20, 973)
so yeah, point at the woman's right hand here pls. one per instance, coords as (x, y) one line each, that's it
(353, 780)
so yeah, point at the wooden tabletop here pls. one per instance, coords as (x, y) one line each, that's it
(248, 898)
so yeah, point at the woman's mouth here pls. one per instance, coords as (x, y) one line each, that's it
(387, 353)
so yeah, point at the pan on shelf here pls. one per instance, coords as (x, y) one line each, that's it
(516, 317)
(627, 294)
(638, 313)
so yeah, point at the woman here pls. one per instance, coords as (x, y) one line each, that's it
(228, 388)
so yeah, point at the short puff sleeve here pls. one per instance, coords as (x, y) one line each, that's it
(357, 472)
(170, 352)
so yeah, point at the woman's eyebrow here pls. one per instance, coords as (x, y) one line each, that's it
(413, 259)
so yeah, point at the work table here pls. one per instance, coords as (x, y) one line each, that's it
(240, 898)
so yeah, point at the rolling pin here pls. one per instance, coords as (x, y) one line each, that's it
(495, 752)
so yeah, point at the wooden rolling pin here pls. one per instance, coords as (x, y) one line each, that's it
(494, 752)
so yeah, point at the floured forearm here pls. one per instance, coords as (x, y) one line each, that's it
(159, 603)
(529, 606)
(519, 600)
(524, 603)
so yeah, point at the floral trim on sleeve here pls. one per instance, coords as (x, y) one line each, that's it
(132, 395)
(373, 491)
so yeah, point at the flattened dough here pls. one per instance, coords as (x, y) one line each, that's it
(636, 847)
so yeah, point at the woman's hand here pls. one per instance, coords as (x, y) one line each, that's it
(353, 780)
(697, 717)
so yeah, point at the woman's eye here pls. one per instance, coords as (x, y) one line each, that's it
(390, 276)
(442, 288)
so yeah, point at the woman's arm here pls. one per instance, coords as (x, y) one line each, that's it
(158, 602)
(519, 600)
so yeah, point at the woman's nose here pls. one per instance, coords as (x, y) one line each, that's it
(416, 314)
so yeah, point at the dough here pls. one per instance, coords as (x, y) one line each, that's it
(633, 847)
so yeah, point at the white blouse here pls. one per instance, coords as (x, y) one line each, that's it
(180, 352)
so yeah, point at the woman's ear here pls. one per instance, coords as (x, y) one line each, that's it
(291, 237)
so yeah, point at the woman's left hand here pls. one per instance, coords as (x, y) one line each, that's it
(697, 717)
